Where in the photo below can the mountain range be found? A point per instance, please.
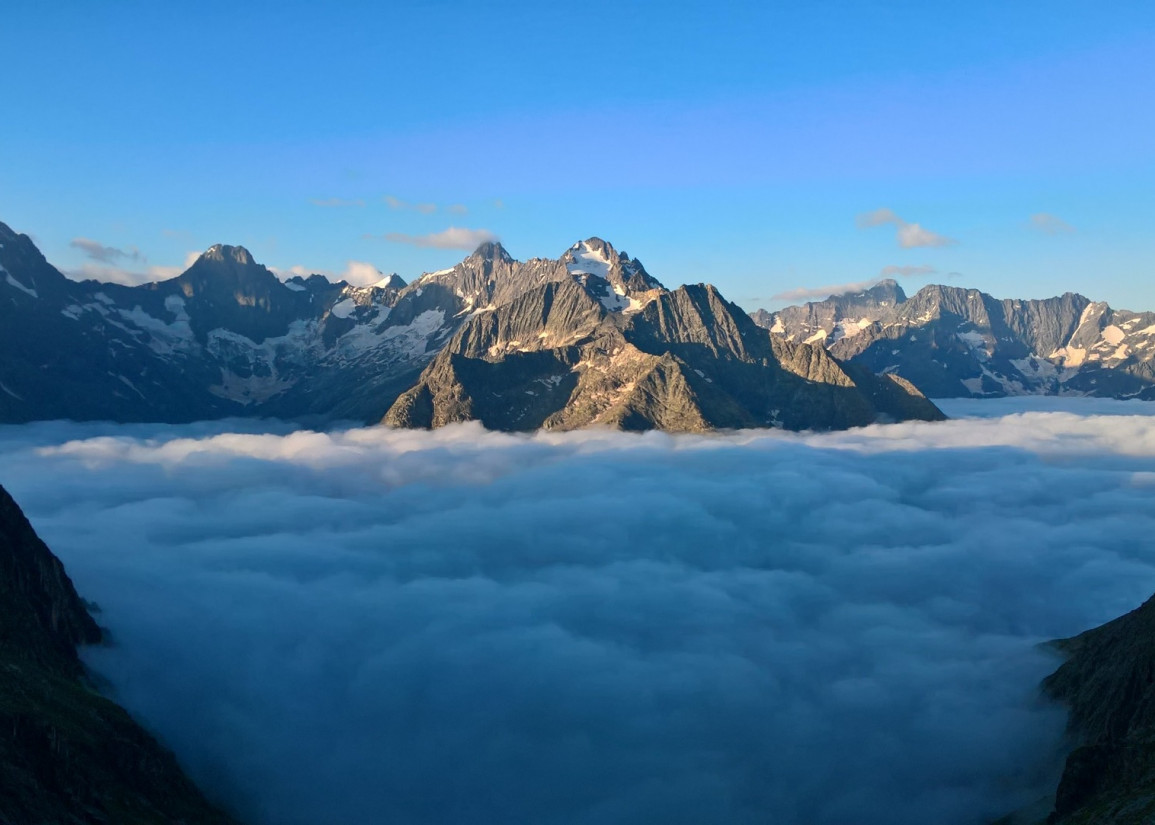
(587, 338)
(953, 342)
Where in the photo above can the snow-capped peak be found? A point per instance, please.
(591, 257)
(393, 281)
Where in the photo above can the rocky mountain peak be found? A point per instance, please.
(492, 251)
(886, 292)
(392, 281)
(592, 256)
(224, 253)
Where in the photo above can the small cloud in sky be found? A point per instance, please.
(457, 209)
(361, 273)
(396, 203)
(109, 274)
(909, 235)
(356, 273)
(336, 202)
(452, 238)
(105, 254)
(806, 293)
(499, 204)
(821, 292)
(907, 271)
(912, 234)
(1050, 224)
(877, 218)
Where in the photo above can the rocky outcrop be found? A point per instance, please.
(954, 342)
(686, 361)
(67, 754)
(1108, 684)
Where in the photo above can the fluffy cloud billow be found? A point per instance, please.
(396, 626)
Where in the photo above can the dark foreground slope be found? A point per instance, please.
(67, 755)
(1109, 685)
(685, 361)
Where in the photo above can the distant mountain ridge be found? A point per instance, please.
(955, 342)
(228, 338)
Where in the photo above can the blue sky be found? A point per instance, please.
(736, 143)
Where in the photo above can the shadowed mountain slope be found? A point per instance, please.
(1108, 683)
(69, 756)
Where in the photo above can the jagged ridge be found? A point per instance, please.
(954, 342)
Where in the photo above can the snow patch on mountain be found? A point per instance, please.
(584, 260)
(25, 289)
(343, 308)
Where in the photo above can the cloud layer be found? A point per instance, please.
(376, 625)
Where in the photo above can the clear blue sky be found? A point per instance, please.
(737, 143)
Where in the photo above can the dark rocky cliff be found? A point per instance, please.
(69, 756)
(1108, 683)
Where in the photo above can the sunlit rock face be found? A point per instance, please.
(685, 360)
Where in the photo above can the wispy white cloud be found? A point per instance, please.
(806, 293)
(457, 209)
(878, 217)
(912, 234)
(908, 234)
(337, 202)
(361, 273)
(97, 251)
(907, 271)
(820, 292)
(1050, 224)
(356, 273)
(396, 203)
(109, 274)
(452, 238)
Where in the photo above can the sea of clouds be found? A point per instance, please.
(371, 625)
